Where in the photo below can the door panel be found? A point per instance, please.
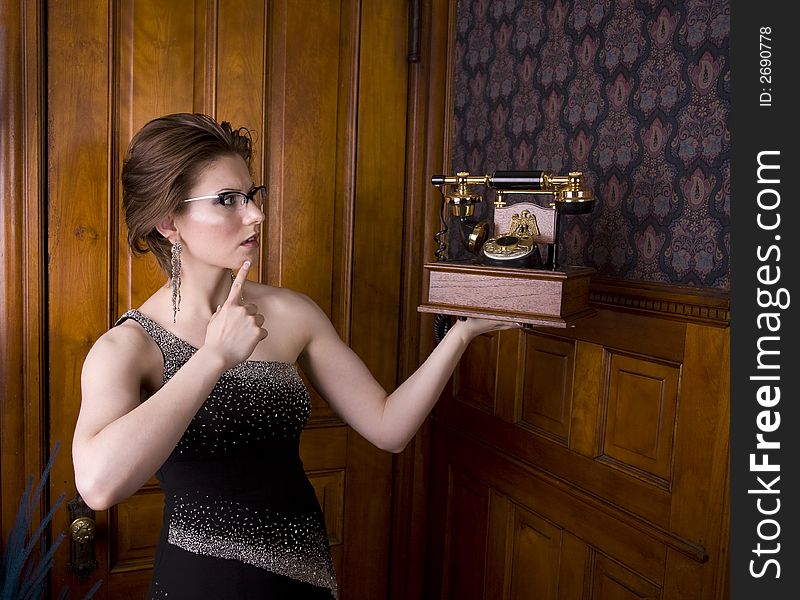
(161, 66)
(302, 161)
(133, 528)
(612, 581)
(467, 518)
(78, 271)
(537, 549)
(300, 75)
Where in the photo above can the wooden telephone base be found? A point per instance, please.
(533, 297)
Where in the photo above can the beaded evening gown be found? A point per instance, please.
(241, 520)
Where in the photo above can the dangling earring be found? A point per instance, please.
(176, 279)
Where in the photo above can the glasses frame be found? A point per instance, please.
(246, 197)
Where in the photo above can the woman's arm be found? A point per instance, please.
(119, 441)
(388, 421)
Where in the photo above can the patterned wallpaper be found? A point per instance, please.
(635, 93)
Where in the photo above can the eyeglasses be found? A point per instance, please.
(233, 198)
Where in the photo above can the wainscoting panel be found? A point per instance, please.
(586, 474)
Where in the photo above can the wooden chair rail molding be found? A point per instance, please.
(686, 303)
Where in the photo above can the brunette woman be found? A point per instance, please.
(200, 386)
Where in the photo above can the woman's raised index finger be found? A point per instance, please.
(235, 294)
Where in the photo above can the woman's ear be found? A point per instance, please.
(167, 228)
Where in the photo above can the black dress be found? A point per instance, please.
(241, 520)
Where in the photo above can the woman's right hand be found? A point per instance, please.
(235, 329)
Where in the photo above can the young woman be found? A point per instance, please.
(200, 384)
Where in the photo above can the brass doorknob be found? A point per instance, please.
(82, 535)
(82, 529)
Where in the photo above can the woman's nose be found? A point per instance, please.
(253, 213)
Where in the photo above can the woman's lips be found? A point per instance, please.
(251, 242)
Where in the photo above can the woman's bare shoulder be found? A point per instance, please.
(285, 300)
(128, 335)
(125, 347)
(292, 319)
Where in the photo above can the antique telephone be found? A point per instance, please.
(503, 274)
(517, 245)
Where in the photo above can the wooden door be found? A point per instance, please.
(322, 86)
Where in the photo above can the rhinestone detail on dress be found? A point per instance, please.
(287, 544)
(250, 424)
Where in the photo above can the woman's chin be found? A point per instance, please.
(240, 260)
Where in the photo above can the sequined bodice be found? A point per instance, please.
(234, 485)
(253, 404)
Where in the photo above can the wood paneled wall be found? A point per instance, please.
(579, 463)
(322, 86)
(22, 261)
(585, 463)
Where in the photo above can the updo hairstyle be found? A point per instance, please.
(163, 161)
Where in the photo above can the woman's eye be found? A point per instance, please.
(227, 199)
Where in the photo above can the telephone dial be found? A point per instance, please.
(515, 247)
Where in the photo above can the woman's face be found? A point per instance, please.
(214, 234)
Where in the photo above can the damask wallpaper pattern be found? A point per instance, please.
(635, 93)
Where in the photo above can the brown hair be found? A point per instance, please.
(162, 162)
